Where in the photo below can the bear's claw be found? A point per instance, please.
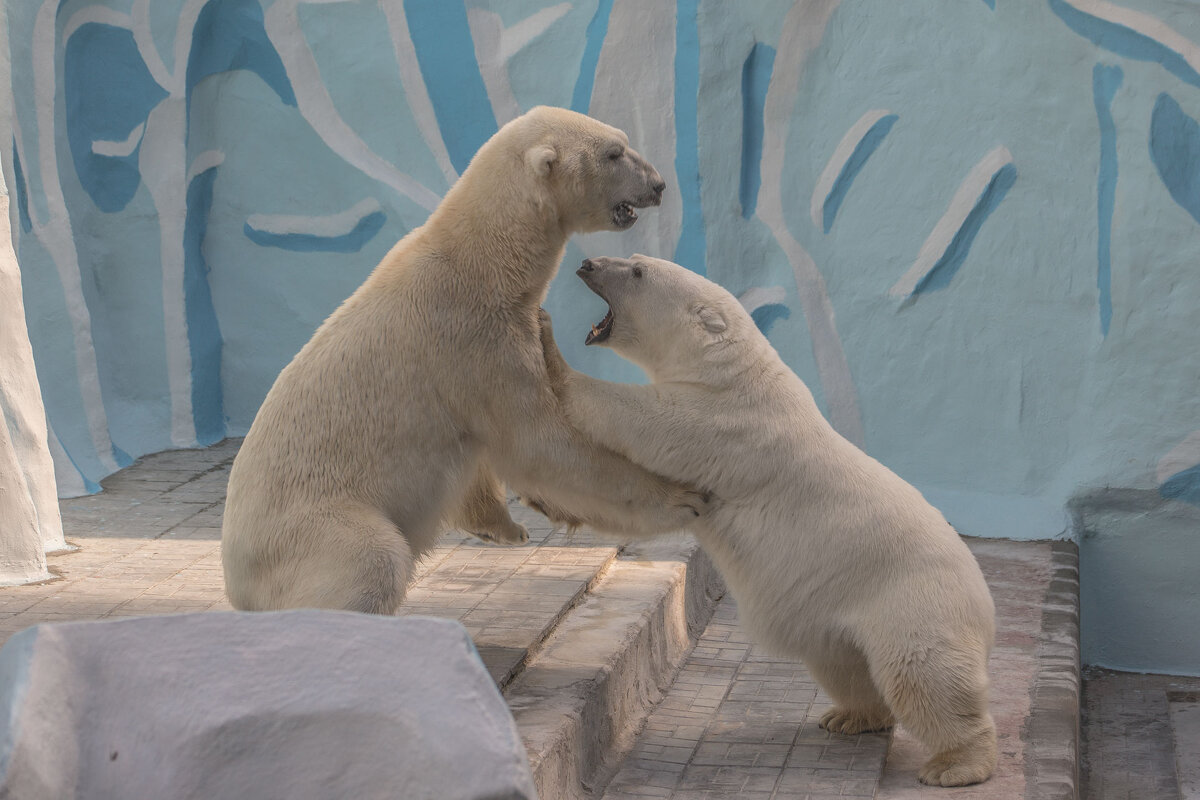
(838, 720)
(517, 534)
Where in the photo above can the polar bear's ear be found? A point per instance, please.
(711, 319)
(540, 159)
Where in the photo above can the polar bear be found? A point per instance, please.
(832, 558)
(427, 387)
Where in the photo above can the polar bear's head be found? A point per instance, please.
(673, 323)
(583, 170)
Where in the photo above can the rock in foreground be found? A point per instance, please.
(296, 704)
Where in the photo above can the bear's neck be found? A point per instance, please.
(508, 243)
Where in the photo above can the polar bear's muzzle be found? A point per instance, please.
(647, 190)
(601, 330)
(623, 215)
(589, 272)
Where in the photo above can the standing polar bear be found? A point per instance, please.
(832, 558)
(427, 387)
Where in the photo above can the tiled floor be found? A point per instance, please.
(738, 723)
(1129, 745)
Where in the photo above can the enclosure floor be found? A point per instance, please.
(1131, 749)
(735, 721)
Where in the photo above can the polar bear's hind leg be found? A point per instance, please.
(940, 694)
(356, 560)
(858, 707)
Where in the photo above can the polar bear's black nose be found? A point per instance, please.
(658, 186)
(587, 266)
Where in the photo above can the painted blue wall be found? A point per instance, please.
(971, 227)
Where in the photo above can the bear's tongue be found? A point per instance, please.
(601, 330)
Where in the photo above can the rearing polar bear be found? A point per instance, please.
(832, 558)
(427, 386)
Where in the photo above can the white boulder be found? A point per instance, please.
(288, 705)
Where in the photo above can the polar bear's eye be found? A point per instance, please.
(637, 272)
(613, 155)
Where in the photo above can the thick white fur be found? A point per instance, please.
(427, 387)
(833, 559)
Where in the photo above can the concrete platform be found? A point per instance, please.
(592, 645)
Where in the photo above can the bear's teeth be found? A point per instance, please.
(595, 331)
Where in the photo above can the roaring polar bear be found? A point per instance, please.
(832, 558)
(427, 387)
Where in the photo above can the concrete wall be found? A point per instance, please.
(970, 225)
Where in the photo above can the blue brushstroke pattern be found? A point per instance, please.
(767, 315)
(122, 458)
(203, 331)
(690, 249)
(229, 35)
(1124, 41)
(22, 192)
(862, 151)
(1183, 486)
(350, 242)
(446, 54)
(108, 92)
(1105, 82)
(597, 29)
(990, 4)
(1175, 151)
(89, 485)
(756, 76)
(940, 275)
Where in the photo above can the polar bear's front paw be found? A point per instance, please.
(503, 533)
(839, 720)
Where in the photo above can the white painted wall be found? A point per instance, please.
(30, 525)
(29, 520)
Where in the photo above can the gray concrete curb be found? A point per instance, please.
(582, 698)
(1052, 732)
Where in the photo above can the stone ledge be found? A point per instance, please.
(1052, 733)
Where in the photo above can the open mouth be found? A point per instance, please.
(601, 330)
(623, 215)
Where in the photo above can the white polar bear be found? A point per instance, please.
(832, 558)
(427, 386)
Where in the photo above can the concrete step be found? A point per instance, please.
(741, 723)
(579, 703)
